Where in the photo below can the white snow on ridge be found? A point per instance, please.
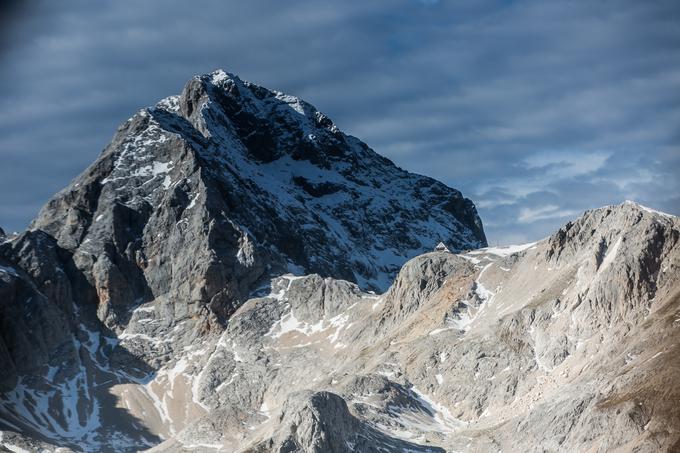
(8, 270)
(170, 103)
(503, 251)
(650, 210)
(440, 330)
(289, 323)
(192, 203)
(11, 447)
(219, 76)
(292, 101)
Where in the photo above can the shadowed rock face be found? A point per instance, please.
(203, 286)
(58, 362)
(36, 302)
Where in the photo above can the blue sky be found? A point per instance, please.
(536, 110)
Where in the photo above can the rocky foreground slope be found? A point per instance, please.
(569, 344)
(187, 294)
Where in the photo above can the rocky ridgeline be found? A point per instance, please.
(229, 276)
(202, 197)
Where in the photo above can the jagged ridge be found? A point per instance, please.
(231, 182)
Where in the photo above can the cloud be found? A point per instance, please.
(531, 215)
(522, 105)
(566, 164)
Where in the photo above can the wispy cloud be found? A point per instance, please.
(566, 164)
(531, 215)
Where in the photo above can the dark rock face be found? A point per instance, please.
(35, 306)
(200, 197)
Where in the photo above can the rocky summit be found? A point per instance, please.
(235, 274)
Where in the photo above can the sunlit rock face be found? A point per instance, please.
(235, 274)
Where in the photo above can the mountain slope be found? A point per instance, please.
(229, 183)
(193, 208)
(206, 285)
(570, 341)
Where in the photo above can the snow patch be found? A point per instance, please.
(503, 251)
(650, 210)
(442, 416)
(192, 203)
(610, 255)
(8, 270)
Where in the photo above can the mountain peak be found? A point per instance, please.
(638, 206)
(255, 95)
(269, 124)
(230, 181)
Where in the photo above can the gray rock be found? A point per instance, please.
(206, 285)
(316, 422)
